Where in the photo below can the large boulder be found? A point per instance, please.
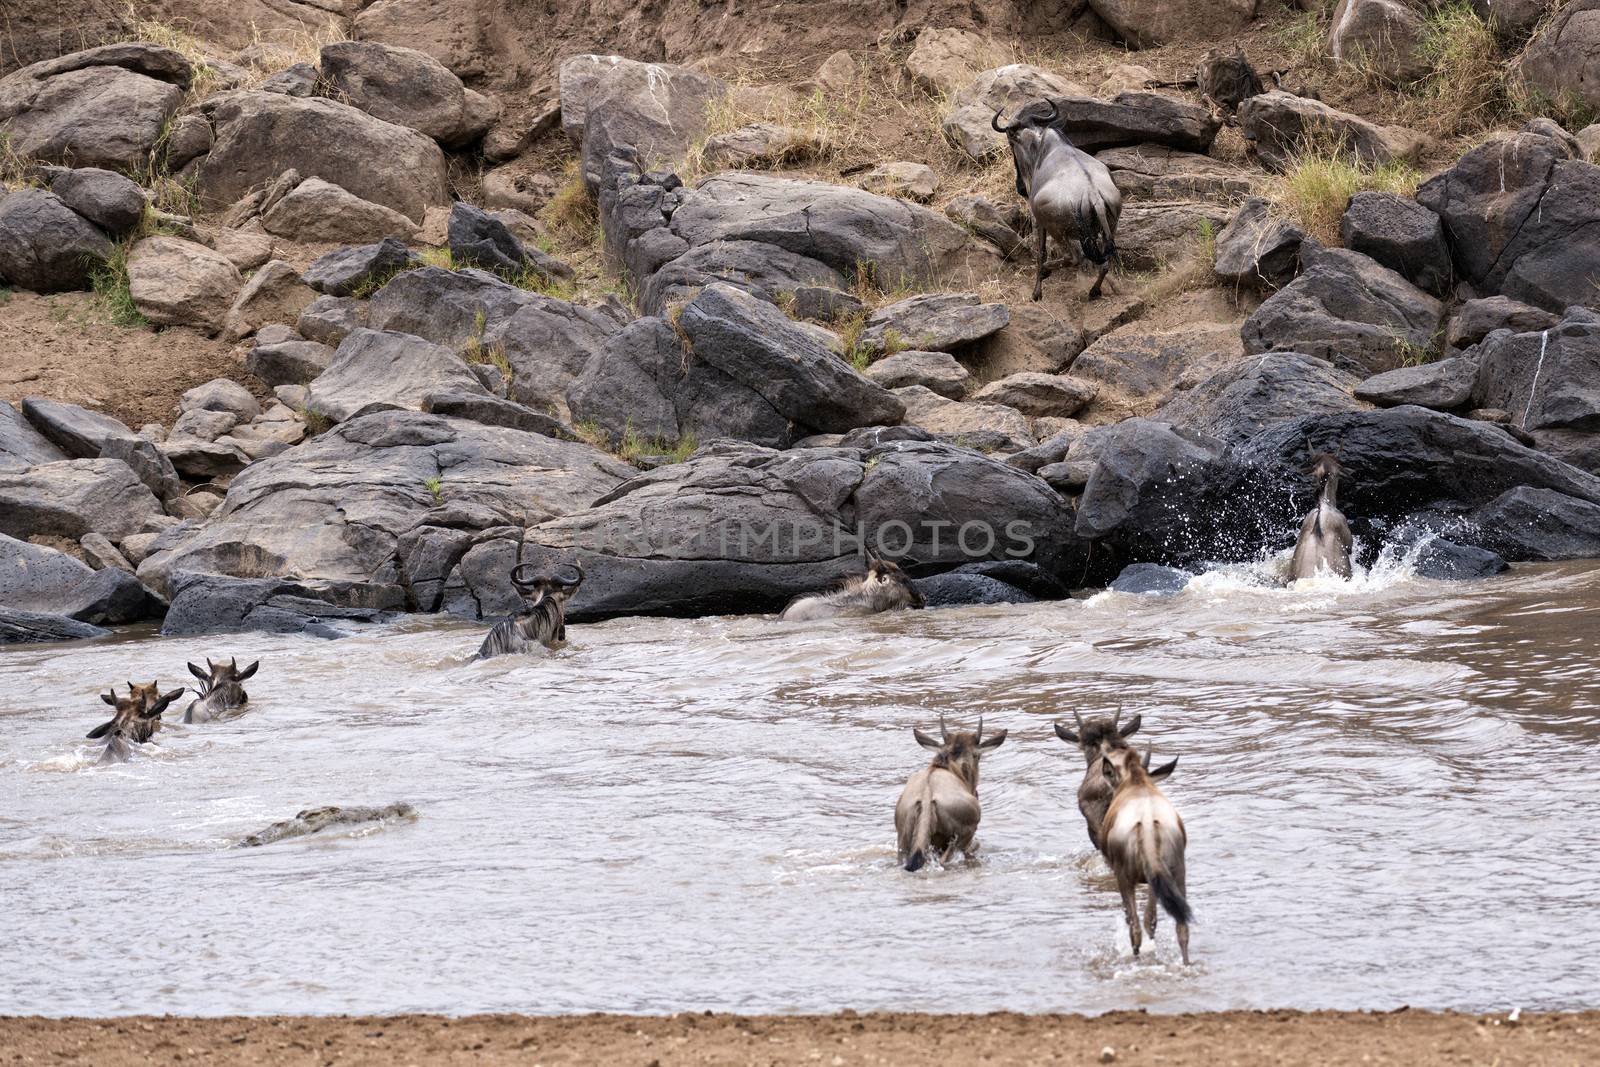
(30, 627)
(1240, 400)
(71, 498)
(1548, 380)
(175, 282)
(754, 343)
(1157, 172)
(979, 425)
(1278, 125)
(107, 199)
(22, 446)
(759, 268)
(1539, 524)
(1136, 118)
(40, 579)
(1349, 310)
(356, 269)
(1136, 369)
(654, 110)
(373, 368)
(1520, 217)
(479, 239)
(967, 122)
(1402, 235)
(1443, 385)
(1473, 320)
(104, 107)
(945, 60)
(1258, 249)
(83, 434)
(219, 604)
(1038, 394)
(45, 245)
(840, 227)
(1562, 61)
(273, 294)
(337, 508)
(1382, 36)
(1147, 23)
(319, 211)
(261, 135)
(938, 371)
(408, 88)
(740, 528)
(577, 84)
(446, 307)
(547, 343)
(1157, 236)
(934, 322)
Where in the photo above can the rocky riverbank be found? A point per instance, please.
(656, 318)
(1410, 1037)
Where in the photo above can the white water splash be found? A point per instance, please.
(1538, 369)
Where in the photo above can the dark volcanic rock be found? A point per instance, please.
(39, 579)
(85, 434)
(105, 198)
(959, 589)
(1151, 579)
(480, 239)
(45, 245)
(1240, 400)
(215, 604)
(1476, 319)
(72, 498)
(1443, 385)
(1402, 235)
(387, 369)
(21, 445)
(1539, 524)
(1548, 380)
(31, 627)
(1135, 118)
(351, 269)
(1258, 250)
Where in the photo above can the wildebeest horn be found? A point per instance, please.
(516, 575)
(1148, 751)
(995, 122)
(944, 735)
(572, 581)
(979, 741)
(1055, 112)
(1077, 718)
(1116, 720)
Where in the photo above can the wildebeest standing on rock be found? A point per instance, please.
(1144, 843)
(134, 720)
(219, 691)
(884, 587)
(1069, 192)
(543, 620)
(938, 810)
(1324, 543)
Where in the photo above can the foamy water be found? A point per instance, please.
(1386, 782)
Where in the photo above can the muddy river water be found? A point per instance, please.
(1389, 786)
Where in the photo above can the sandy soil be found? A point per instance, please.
(1403, 1037)
(63, 347)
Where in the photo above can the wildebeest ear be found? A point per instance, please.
(110, 698)
(204, 676)
(1067, 735)
(993, 741)
(101, 730)
(1109, 770)
(161, 705)
(925, 741)
(1165, 769)
(248, 671)
(1132, 727)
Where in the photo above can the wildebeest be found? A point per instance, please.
(219, 691)
(134, 720)
(884, 587)
(1096, 738)
(1325, 540)
(543, 619)
(938, 810)
(1069, 192)
(1144, 843)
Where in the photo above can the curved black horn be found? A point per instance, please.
(980, 731)
(577, 569)
(1077, 718)
(995, 122)
(944, 735)
(516, 578)
(1055, 112)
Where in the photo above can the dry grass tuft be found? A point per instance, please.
(1315, 191)
(1468, 88)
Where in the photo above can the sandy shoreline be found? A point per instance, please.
(1283, 1037)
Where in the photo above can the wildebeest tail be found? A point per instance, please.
(1159, 874)
(921, 834)
(1096, 238)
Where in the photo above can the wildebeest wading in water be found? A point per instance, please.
(135, 719)
(219, 691)
(543, 619)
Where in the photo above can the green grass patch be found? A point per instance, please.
(109, 281)
(435, 486)
(1317, 188)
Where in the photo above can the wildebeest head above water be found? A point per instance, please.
(220, 689)
(543, 619)
(134, 720)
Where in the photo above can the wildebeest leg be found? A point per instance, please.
(1094, 292)
(1130, 908)
(1043, 271)
(1183, 928)
(1150, 912)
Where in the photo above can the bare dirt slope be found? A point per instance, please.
(1416, 1039)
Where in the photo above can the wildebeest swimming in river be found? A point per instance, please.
(1325, 539)
(938, 810)
(134, 720)
(219, 691)
(884, 587)
(543, 619)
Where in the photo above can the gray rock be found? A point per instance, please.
(204, 424)
(105, 198)
(298, 80)
(1039, 394)
(1258, 250)
(654, 110)
(1539, 524)
(760, 269)
(1512, 18)
(994, 224)
(39, 579)
(360, 268)
(83, 434)
(912, 181)
(201, 460)
(288, 362)
(329, 319)
(1136, 118)
(71, 498)
(1007, 88)
(1277, 124)
(1447, 561)
(1443, 385)
(1245, 397)
(934, 322)
(757, 144)
(273, 294)
(1384, 36)
(1051, 450)
(221, 394)
(1474, 320)
(260, 135)
(21, 446)
(496, 411)
(1519, 218)
(1156, 172)
(1158, 236)
(480, 239)
(1565, 360)
(103, 107)
(375, 368)
(32, 627)
(1402, 235)
(938, 371)
(1137, 369)
(101, 553)
(1147, 23)
(409, 88)
(1560, 61)
(317, 211)
(754, 343)
(1349, 310)
(959, 589)
(547, 343)
(45, 245)
(174, 282)
(218, 604)
(446, 307)
(1151, 579)
(824, 303)
(980, 426)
